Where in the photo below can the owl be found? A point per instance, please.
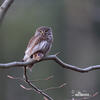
(39, 45)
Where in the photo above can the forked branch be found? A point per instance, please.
(34, 87)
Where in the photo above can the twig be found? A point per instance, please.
(4, 7)
(50, 57)
(48, 78)
(37, 80)
(45, 98)
(34, 87)
(52, 88)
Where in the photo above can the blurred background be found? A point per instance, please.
(76, 30)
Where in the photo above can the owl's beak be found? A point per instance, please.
(42, 32)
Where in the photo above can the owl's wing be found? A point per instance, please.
(30, 41)
(35, 44)
(43, 46)
(33, 41)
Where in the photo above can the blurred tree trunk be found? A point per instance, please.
(80, 41)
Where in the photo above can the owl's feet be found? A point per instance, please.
(38, 56)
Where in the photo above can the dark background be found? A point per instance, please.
(76, 30)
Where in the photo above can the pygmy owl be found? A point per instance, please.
(39, 45)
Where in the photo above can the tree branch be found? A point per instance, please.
(34, 87)
(50, 57)
(4, 7)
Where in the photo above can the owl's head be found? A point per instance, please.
(43, 30)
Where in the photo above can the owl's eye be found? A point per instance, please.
(46, 30)
(41, 31)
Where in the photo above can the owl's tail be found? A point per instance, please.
(29, 67)
(36, 56)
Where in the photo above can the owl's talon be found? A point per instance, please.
(31, 56)
(38, 56)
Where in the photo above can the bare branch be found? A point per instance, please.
(4, 7)
(33, 87)
(37, 80)
(36, 89)
(50, 57)
(52, 88)
(45, 98)
(25, 87)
